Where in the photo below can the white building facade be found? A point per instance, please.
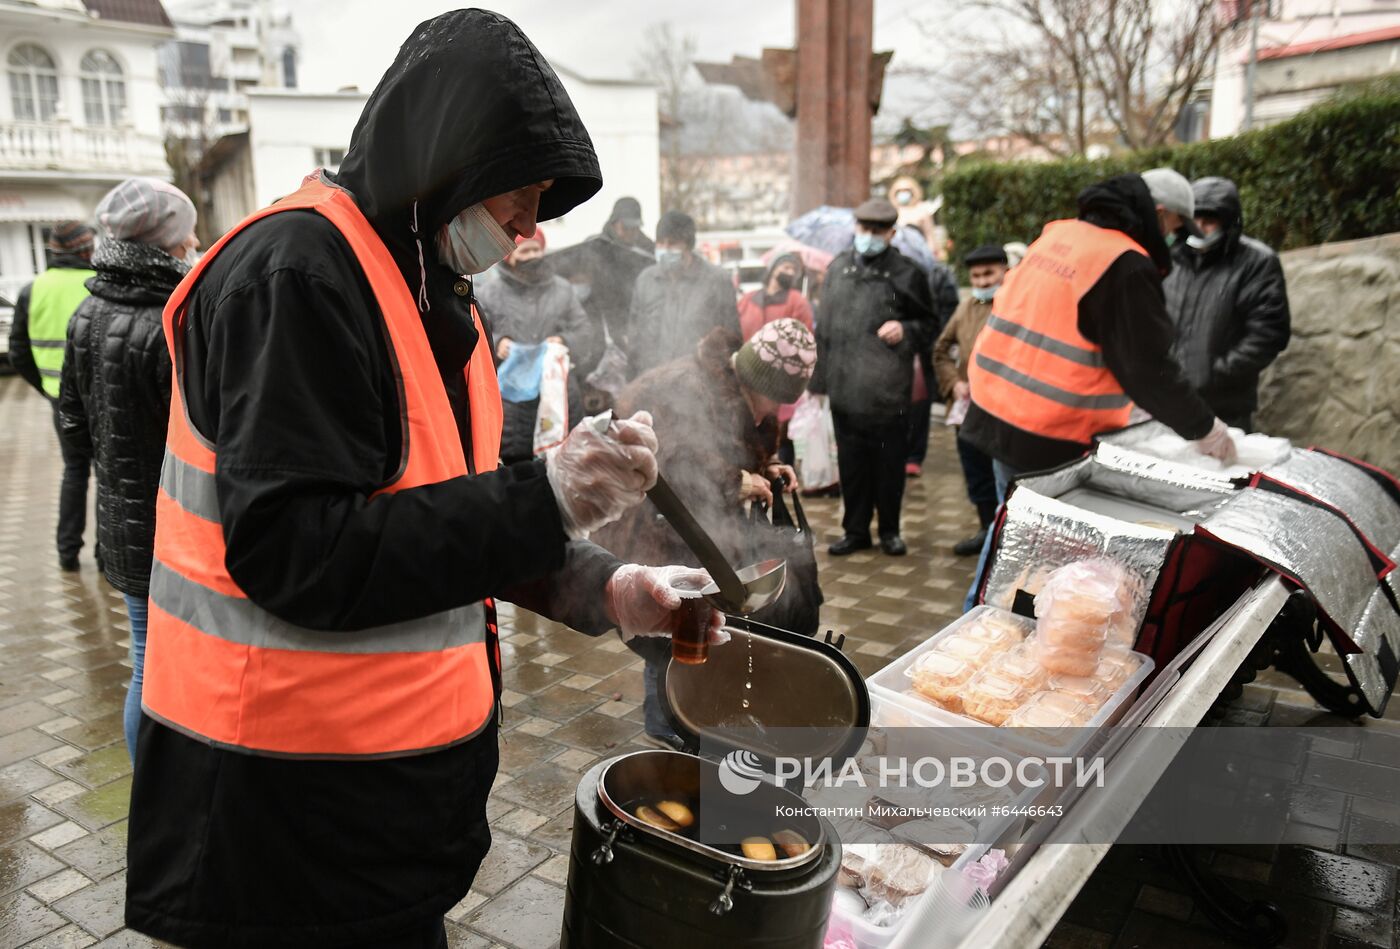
(290, 133)
(80, 112)
(223, 49)
(1305, 51)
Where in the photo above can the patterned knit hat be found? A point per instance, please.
(147, 211)
(778, 360)
(71, 237)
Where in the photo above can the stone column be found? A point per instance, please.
(834, 44)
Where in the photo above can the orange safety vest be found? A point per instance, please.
(1030, 366)
(220, 668)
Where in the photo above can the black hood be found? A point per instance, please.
(469, 109)
(1123, 203)
(1219, 198)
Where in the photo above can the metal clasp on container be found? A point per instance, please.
(604, 854)
(725, 901)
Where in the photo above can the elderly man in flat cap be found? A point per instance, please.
(875, 314)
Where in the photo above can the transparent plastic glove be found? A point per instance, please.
(644, 603)
(1218, 444)
(596, 478)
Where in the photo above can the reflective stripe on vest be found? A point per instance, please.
(1030, 366)
(227, 672)
(54, 297)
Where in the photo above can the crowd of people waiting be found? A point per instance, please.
(642, 325)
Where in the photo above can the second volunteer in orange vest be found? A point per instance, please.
(1079, 334)
(323, 674)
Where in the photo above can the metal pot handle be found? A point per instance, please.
(725, 901)
(604, 854)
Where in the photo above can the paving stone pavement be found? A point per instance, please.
(570, 701)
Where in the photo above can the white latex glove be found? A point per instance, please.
(753, 487)
(1218, 444)
(596, 478)
(643, 602)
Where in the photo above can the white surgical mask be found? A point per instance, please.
(983, 294)
(1205, 242)
(472, 241)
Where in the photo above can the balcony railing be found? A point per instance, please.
(65, 147)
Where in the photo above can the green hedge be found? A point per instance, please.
(1329, 174)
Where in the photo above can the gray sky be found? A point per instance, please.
(353, 41)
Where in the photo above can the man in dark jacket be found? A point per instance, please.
(527, 305)
(1226, 295)
(115, 400)
(678, 300)
(286, 371)
(875, 315)
(37, 335)
(604, 270)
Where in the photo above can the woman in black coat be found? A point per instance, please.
(115, 395)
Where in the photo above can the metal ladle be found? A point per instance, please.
(735, 592)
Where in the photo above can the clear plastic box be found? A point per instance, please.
(894, 684)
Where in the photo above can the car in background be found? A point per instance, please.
(7, 315)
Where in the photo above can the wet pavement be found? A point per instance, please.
(570, 701)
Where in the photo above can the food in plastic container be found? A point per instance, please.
(940, 677)
(1033, 715)
(1116, 666)
(1062, 661)
(1021, 665)
(896, 872)
(974, 651)
(1072, 634)
(990, 697)
(1086, 689)
(1061, 704)
(999, 632)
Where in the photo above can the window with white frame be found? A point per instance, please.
(330, 158)
(104, 89)
(33, 84)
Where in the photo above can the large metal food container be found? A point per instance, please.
(634, 886)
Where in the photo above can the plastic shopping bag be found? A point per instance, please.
(521, 371)
(814, 443)
(552, 418)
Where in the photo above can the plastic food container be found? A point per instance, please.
(940, 677)
(894, 686)
(991, 696)
(1086, 689)
(1116, 666)
(1060, 660)
(897, 680)
(975, 651)
(1021, 665)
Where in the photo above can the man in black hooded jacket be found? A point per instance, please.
(285, 368)
(1227, 296)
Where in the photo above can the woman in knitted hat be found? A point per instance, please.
(115, 397)
(716, 421)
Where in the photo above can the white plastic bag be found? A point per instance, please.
(552, 419)
(813, 437)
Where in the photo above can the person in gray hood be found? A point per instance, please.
(1226, 294)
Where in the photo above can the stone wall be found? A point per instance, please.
(1338, 383)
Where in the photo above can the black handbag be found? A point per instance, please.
(788, 537)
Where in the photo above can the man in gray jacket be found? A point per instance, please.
(678, 300)
(1227, 296)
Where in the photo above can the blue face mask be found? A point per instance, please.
(868, 245)
(667, 257)
(983, 294)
